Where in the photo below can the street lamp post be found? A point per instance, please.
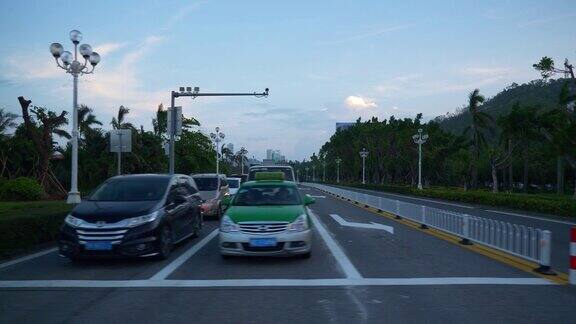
(243, 153)
(307, 178)
(323, 171)
(338, 160)
(217, 138)
(420, 139)
(70, 64)
(313, 173)
(363, 154)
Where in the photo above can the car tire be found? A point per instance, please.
(164, 243)
(197, 227)
(225, 256)
(306, 255)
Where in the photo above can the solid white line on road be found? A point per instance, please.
(372, 225)
(167, 270)
(28, 257)
(273, 282)
(345, 263)
(317, 196)
(533, 217)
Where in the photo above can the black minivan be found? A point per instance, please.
(133, 216)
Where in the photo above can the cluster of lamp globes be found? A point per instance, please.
(69, 59)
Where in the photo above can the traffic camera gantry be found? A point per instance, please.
(188, 92)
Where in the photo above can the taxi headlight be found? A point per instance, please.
(300, 224)
(136, 221)
(227, 225)
(73, 221)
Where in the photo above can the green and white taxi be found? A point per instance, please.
(267, 216)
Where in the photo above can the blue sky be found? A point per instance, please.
(324, 61)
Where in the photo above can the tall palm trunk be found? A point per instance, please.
(525, 173)
(475, 163)
(560, 175)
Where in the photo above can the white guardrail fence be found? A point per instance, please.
(525, 242)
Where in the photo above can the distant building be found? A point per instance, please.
(275, 155)
(344, 125)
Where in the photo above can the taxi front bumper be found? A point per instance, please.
(287, 243)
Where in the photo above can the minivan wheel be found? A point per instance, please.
(165, 243)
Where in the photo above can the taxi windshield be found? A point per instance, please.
(267, 196)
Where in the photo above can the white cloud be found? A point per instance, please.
(359, 103)
(108, 48)
(369, 34)
(487, 71)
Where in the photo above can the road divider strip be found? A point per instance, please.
(249, 283)
(487, 251)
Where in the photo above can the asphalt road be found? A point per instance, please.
(560, 227)
(356, 274)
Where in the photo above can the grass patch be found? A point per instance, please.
(29, 223)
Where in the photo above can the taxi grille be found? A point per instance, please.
(263, 228)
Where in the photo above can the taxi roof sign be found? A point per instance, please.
(269, 176)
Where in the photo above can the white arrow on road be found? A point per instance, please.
(371, 225)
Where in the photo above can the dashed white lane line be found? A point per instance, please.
(172, 266)
(533, 217)
(345, 264)
(274, 282)
(28, 257)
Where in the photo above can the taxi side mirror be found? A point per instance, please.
(309, 200)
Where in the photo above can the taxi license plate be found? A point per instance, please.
(99, 246)
(262, 242)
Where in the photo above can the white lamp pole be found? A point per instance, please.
(338, 160)
(323, 171)
(217, 138)
(307, 178)
(243, 153)
(69, 63)
(363, 154)
(420, 139)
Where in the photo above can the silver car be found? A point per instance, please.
(213, 188)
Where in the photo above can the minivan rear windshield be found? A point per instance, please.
(131, 189)
(206, 183)
(287, 172)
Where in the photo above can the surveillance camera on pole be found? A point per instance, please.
(194, 93)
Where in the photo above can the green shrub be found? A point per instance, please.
(26, 224)
(21, 189)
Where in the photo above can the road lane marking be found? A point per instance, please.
(371, 225)
(167, 270)
(487, 251)
(28, 257)
(428, 200)
(345, 263)
(533, 217)
(317, 196)
(274, 282)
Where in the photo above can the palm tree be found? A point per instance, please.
(520, 128)
(480, 122)
(86, 120)
(118, 122)
(6, 120)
